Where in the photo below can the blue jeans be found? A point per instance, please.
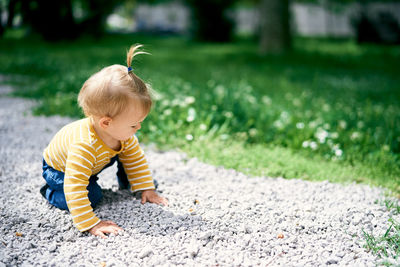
(55, 181)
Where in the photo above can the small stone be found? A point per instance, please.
(280, 236)
(146, 251)
(248, 230)
(18, 234)
(332, 261)
(52, 248)
(205, 236)
(340, 254)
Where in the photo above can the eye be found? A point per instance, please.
(134, 126)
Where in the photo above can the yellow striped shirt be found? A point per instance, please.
(79, 153)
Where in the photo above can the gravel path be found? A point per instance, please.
(216, 217)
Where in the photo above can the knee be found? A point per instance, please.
(56, 198)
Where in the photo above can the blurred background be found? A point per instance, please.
(297, 89)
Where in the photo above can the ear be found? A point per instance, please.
(105, 122)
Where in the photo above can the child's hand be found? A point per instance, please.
(152, 197)
(105, 227)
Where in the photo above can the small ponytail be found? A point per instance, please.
(138, 84)
(132, 52)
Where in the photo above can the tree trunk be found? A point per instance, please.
(11, 13)
(1, 21)
(275, 35)
(210, 21)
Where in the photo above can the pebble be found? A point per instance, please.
(146, 251)
(52, 248)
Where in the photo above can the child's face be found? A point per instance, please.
(126, 124)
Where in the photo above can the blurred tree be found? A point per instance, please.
(1, 18)
(210, 21)
(55, 20)
(275, 35)
(6, 7)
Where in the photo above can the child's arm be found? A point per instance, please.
(136, 167)
(137, 170)
(78, 170)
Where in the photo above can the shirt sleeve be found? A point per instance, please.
(78, 169)
(135, 166)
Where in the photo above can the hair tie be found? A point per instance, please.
(130, 69)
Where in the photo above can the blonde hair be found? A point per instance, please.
(110, 91)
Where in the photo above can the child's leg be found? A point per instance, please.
(121, 176)
(95, 193)
(54, 188)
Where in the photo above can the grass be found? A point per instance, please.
(387, 246)
(329, 110)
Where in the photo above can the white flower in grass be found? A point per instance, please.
(342, 124)
(203, 127)
(220, 90)
(321, 135)
(313, 145)
(336, 147)
(175, 102)
(266, 100)
(300, 125)
(278, 124)
(165, 102)
(191, 115)
(253, 132)
(189, 137)
(296, 102)
(190, 100)
(334, 135)
(251, 99)
(338, 152)
(355, 135)
(313, 124)
(284, 115)
(224, 136)
(305, 144)
(167, 112)
(228, 114)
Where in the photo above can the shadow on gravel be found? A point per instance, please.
(148, 219)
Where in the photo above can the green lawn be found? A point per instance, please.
(330, 110)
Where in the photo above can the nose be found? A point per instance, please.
(139, 126)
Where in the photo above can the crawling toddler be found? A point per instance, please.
(115, 102)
